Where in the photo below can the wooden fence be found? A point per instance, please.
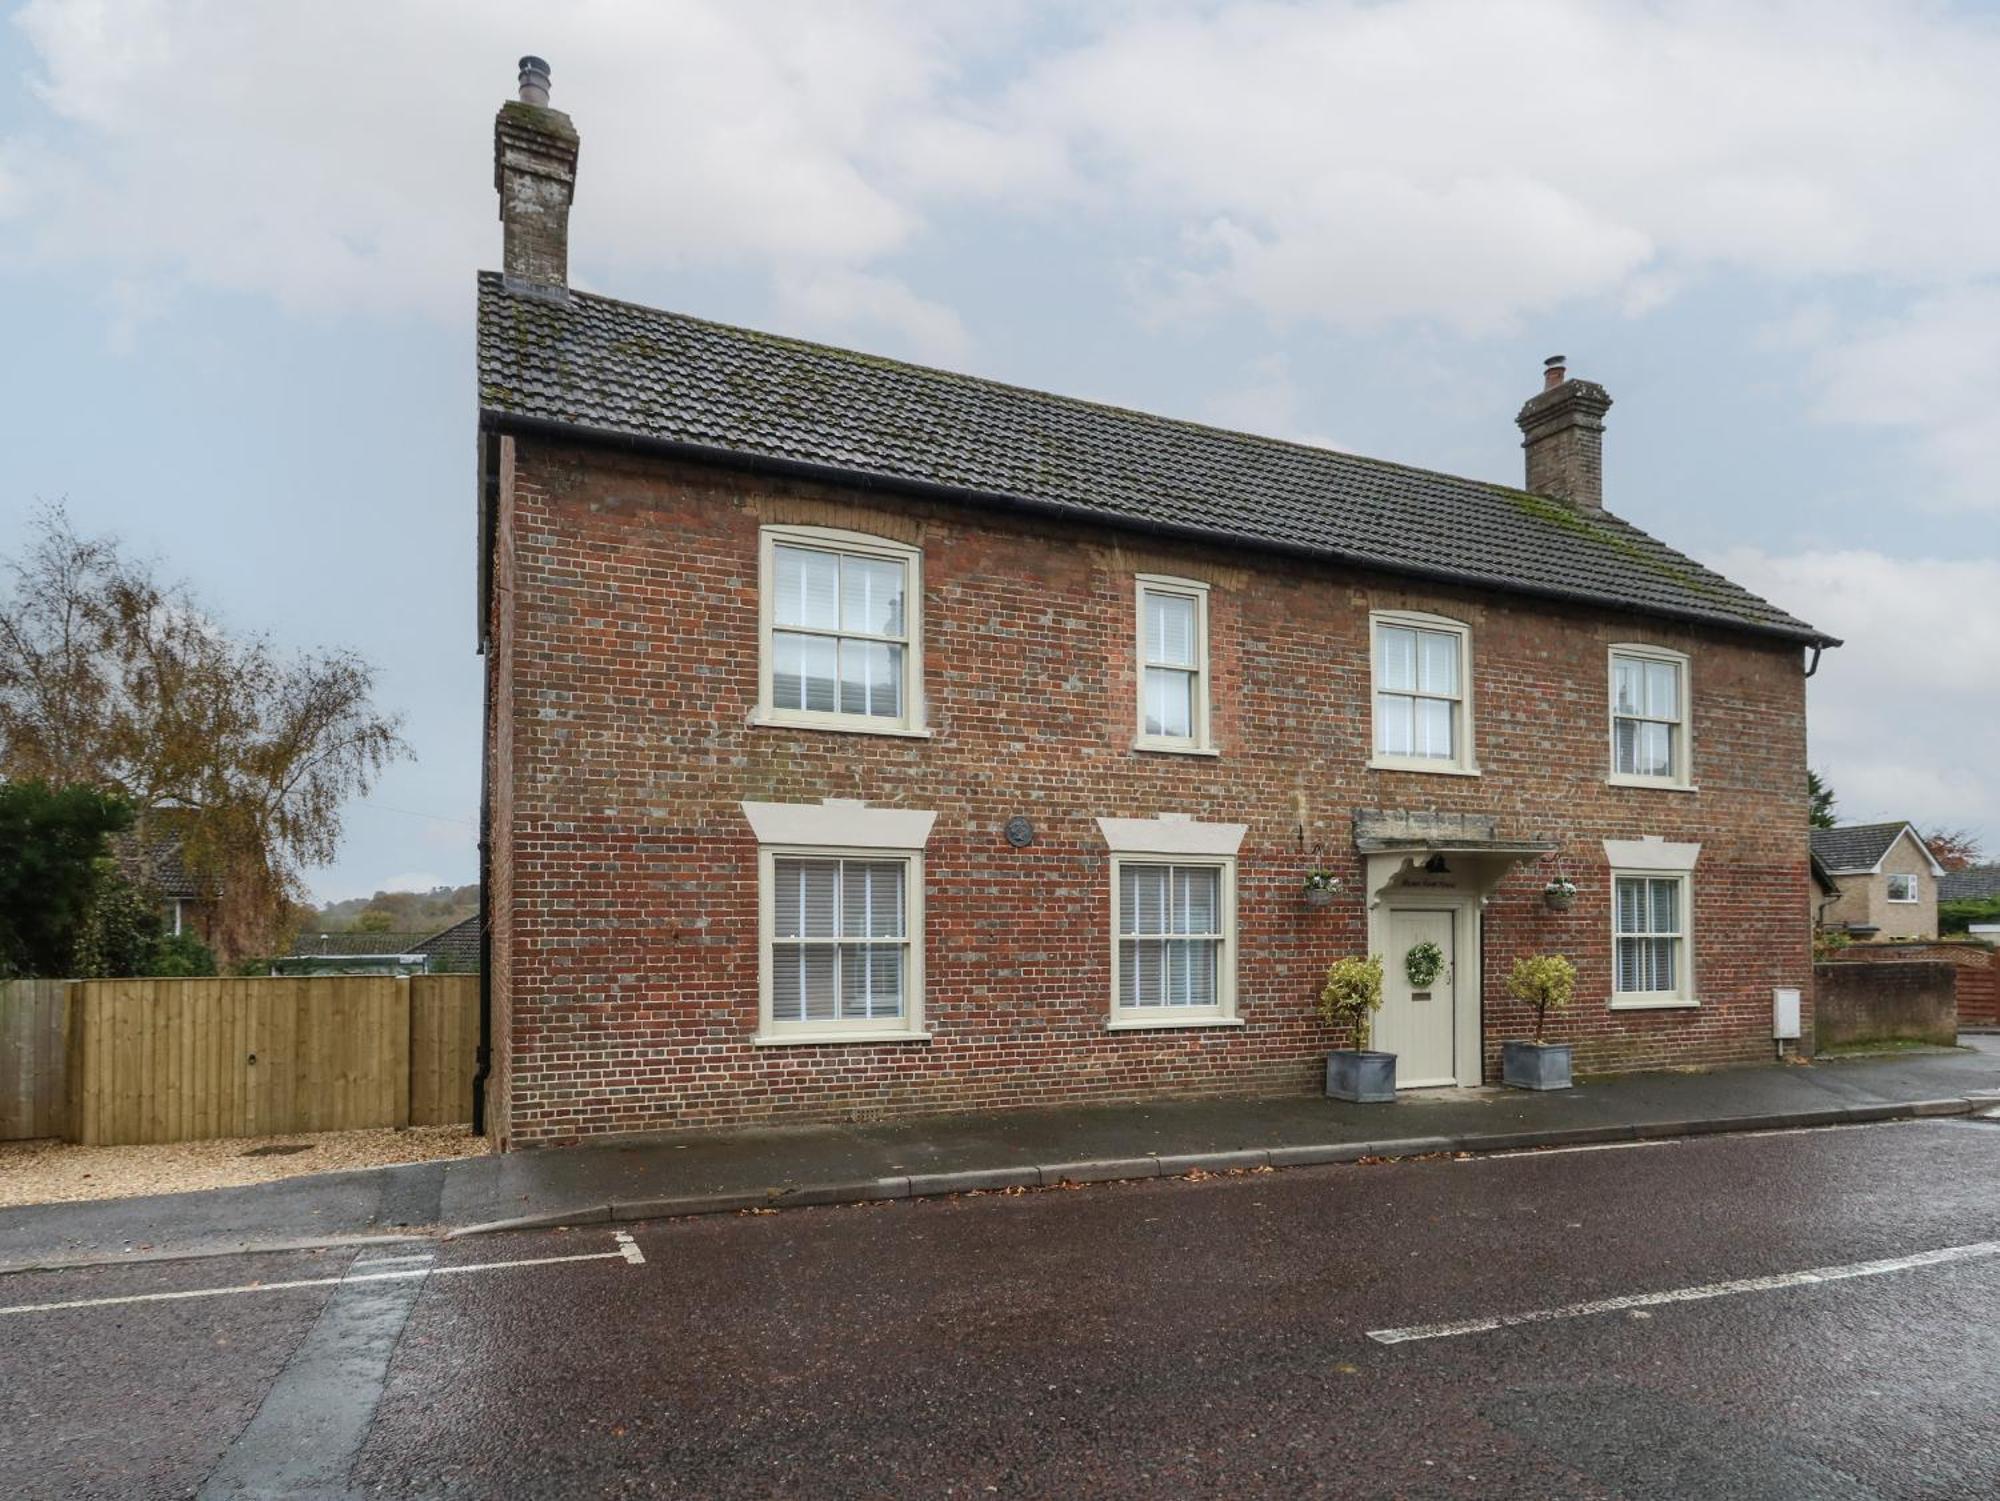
(34, 1032)
(183, 1060)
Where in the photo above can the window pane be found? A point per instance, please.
(1170, 621)
(1628, 965)
(1437, 662)
(803, 898)
(1143, 973)
(1434, 727)
(802, 672)
(871, 680)
(1661, 970)
(1666, 906)
(1170, 703)
(1654, 748)
(1142, 898)
(871, 982)
(1395, 733)
(808, 588)
(1625, 735)
(871, 596)
(1197, 900)
(1627, 680)
(1191, 972)
(802, 982)
(1631, 905)
(871, 898)
(1663, 690)
(1395, 658)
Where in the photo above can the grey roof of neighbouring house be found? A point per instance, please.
(1971, 884)
(1857, 846)
(628, 373)
(356, 945)
(457, 944)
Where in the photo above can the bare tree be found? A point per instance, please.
(111, 679)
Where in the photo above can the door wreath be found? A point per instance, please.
(1423, 964)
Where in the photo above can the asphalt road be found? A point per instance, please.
(1318, 1331)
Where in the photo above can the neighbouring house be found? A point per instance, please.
(454, 950)
(865, 738)
(355, 954)
(1976, 883)
(1888, 880)
(158, 866)
(1825, 891)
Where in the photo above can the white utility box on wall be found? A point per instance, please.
(1785, 1015)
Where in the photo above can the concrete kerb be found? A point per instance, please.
(1123, 1169)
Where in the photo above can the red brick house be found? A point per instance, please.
(865, 738)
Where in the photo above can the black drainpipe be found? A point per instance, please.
(483, 1059)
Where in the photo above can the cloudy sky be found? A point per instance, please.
(237, 245)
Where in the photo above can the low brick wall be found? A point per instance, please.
(1911, 1000)
(1976, 966)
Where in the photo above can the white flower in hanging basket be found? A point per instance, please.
(1559, 894)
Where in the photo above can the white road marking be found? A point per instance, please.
(627, 1252)
(1976, 1251)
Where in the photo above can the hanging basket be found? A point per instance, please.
(1319, 896)
(1559, 895)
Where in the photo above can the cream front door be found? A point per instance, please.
(1419, 1024)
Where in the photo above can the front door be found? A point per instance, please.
(1418, 1023)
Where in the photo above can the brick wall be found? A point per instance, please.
(1907, 1000)
(627, 873)
(1976, 967)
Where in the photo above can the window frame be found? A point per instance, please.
(1159, 1018)
(913, 721)
(1682, 997)
(1889, 879)
(1683, 741)
(909, 1027)
(1201, 742)
(1463, 763)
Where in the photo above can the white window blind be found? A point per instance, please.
(839, 939)
(1650, 934)
(838, 632)
(1171, 655)
(1646, 707)
(1170, 936)
(1419, 693)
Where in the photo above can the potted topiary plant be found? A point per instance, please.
(1546, 982)
(1352, 996)
(1322, 885)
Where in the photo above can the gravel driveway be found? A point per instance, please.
(48, 1172)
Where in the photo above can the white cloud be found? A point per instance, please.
(413, 880)
(1267, 400)
(1906, 714)
(1932, 372)
(831, 304)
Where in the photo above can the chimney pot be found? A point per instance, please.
(534, 81)
(1562, 430)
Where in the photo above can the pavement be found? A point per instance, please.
(1801, 1313)
(635, 1179)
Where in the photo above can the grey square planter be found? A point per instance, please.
(1535, 1065)
(1367, 1078)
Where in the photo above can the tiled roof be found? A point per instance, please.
(618, 370)
(1855, 846)
(353, 945)
(457, 945)
(157, 865)
(1973, 883)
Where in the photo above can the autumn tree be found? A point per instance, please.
(114, 680)
(1954, 849)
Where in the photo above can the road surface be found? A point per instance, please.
(1806, 1314)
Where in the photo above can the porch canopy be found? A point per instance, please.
(1416, 851)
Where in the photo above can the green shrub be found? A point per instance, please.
(1353, 995)
(1545, 981)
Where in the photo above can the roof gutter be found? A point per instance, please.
(728, 458)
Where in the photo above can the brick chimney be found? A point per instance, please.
(1562, 428)
(534, 170)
